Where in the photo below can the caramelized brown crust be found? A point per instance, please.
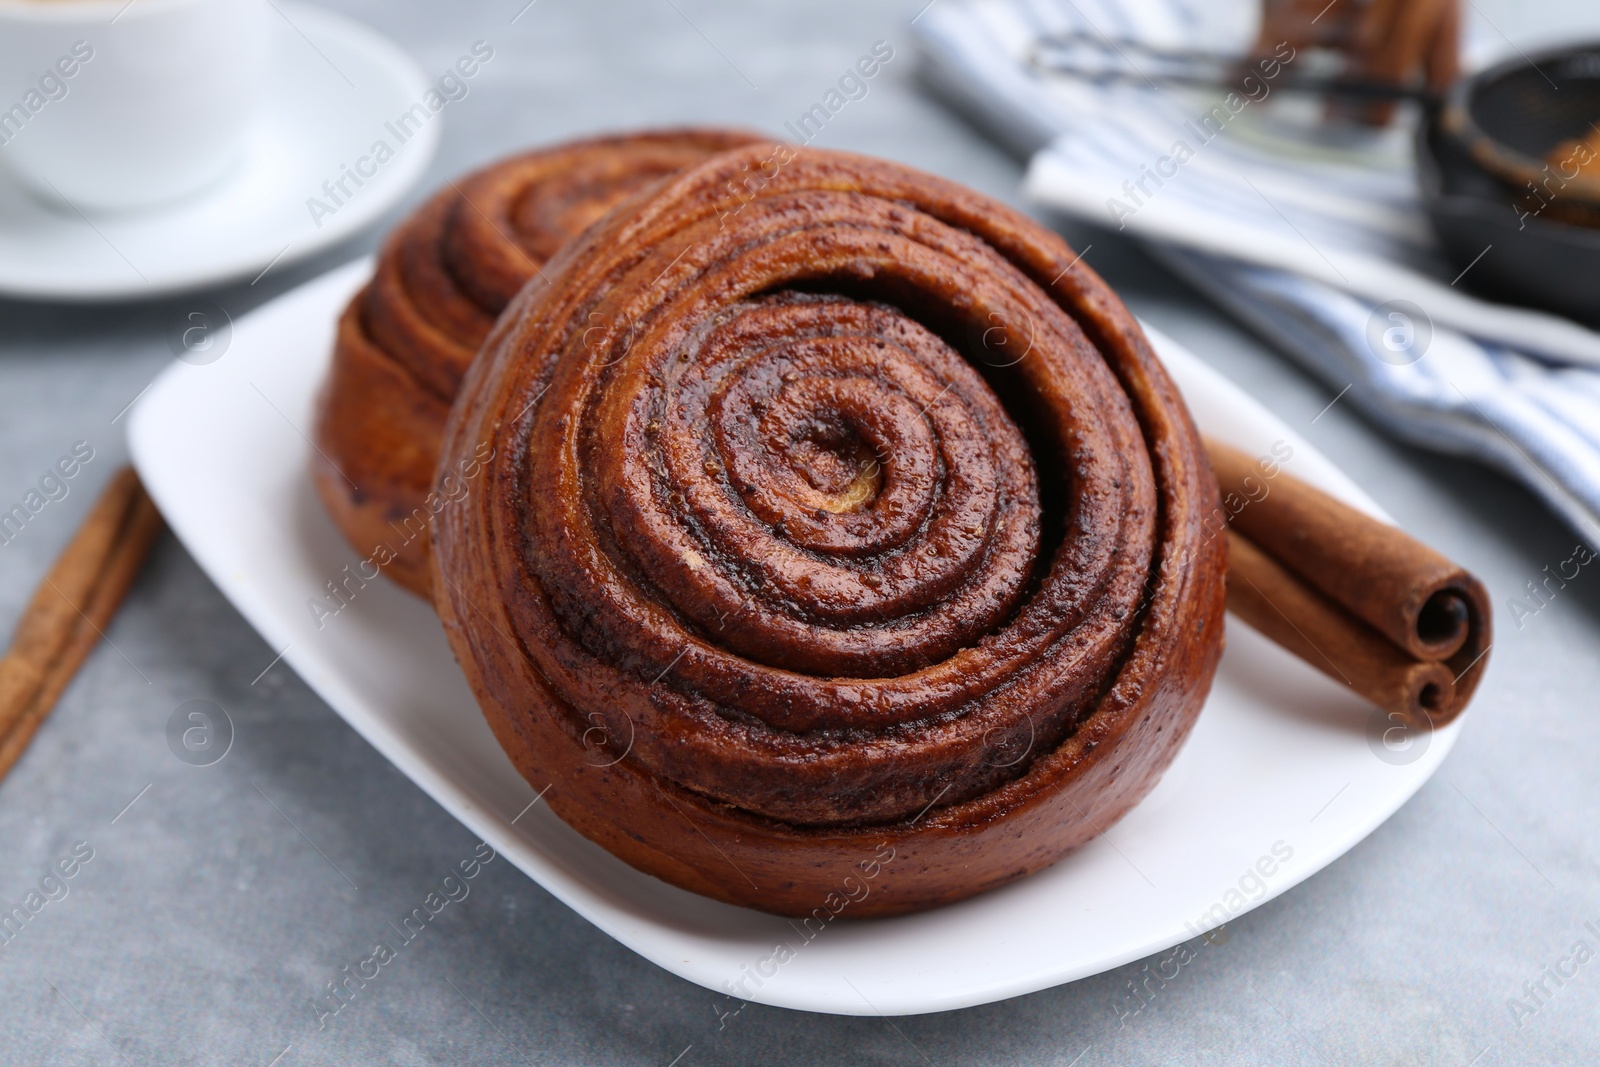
(837, 512)
(442, 278)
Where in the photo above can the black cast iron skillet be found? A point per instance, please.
(1478, 151)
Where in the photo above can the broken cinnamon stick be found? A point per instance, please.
(71, 608)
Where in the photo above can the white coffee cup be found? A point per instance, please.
(111, 105)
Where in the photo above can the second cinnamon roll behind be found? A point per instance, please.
(443, 276)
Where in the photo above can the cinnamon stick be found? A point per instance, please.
(71, 608)
(1429, 608)
(1270, 599)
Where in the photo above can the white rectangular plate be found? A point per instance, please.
(1282, 761)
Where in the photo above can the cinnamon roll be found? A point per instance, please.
(843, 544)
(443, 276)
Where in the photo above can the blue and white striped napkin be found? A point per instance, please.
(1314, 237)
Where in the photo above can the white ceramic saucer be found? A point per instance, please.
(334, 86)
(1284, 772)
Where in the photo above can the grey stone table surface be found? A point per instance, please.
(218, 904)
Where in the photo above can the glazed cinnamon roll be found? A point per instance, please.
(843, 545)
(405, 340)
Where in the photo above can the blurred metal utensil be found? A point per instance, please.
(1096, 58)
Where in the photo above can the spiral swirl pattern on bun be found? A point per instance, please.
(835, 508)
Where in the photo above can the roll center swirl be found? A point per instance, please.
(817, 463)
(839, 465)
